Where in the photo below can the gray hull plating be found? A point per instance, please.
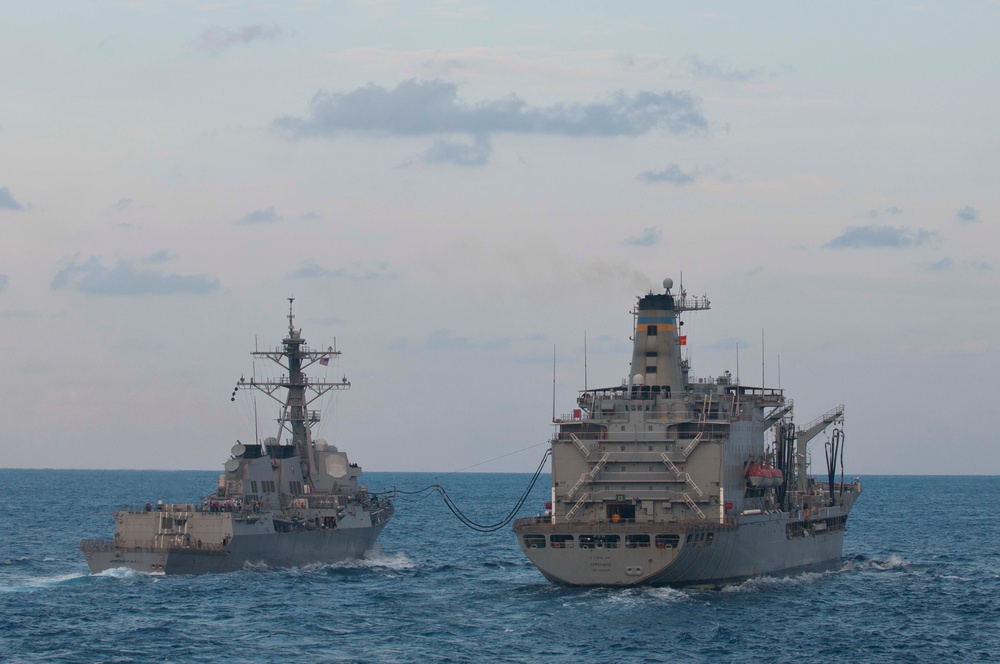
(272, 550)
(705, 554)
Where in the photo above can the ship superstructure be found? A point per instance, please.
(669, 479)
(278, 503)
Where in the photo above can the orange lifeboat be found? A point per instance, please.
(758, 476)
(763, 476)
(776, 476)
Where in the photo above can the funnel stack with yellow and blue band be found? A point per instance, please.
(656, 356)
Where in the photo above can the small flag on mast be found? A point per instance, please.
(325, 360)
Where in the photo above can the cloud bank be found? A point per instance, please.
(877, 236)
(949, 264)
(672, 174)
(647, 238)
(7, 200)
(92, 278)
(216, 39)
(448, 152)
(968, 215)
(266, 215)
(892, 211)
(710, 69)
(369, 271)
(161, 256)
(417, 107)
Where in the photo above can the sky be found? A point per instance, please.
(458, 194)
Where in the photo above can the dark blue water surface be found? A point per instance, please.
(920, 582)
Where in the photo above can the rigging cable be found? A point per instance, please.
(466, 520)
(489, 528)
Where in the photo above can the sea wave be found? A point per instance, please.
(759, 583)
(860, 563)
(374, 559)
(124, 573)
(28, 584)
(666, 595)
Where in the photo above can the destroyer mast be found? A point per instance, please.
(295, 416)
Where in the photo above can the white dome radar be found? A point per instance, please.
(668, 283)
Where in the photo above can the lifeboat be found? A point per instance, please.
(776, 477)
(758, 476)
(762, 476)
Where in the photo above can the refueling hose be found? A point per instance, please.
(479, 527)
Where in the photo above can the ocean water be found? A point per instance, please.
(920, 582)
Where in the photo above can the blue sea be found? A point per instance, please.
(920, 582)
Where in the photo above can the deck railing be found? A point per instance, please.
(543, 524)
(150, 545)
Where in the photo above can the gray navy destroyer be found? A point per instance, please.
(670, 479)
(280, 504)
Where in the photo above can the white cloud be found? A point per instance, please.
(7, 200)
(358, 271)
(266, 215)
(217, 39)
(672, 174)
(968, 215)
(647, 238)
(877, 236)
(416, 107)
(445, 151)
(90, 277)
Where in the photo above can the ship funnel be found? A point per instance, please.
(656, 356)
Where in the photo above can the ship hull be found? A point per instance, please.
(704, 554)
(295, 549)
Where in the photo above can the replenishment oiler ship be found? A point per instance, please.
(279, 504)
(672, 480)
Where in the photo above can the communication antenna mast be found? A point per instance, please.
(553, 382)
